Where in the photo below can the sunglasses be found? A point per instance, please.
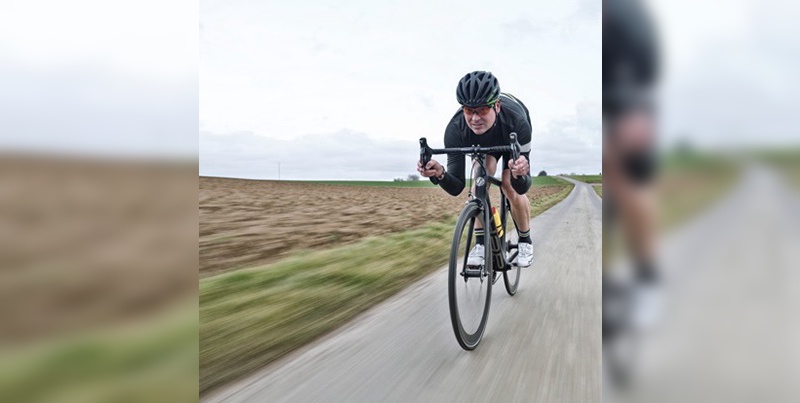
(481, 110)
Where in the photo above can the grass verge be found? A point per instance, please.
(251, 317)
(587, 178)
(150, 361)
(787, 161)
(422, 183)
(598, 190)
(687, 185)
(691, 183)
(547, 180)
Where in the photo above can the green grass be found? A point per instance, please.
(252, 317)
(694, 161)
(598, 190)
(422, 183)
(152, 361)
(698, 180)
(787, 161)
(687, 184)
(547, 180)
(587, 178)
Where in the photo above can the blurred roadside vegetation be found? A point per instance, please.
(786, 160)
(587, 178)
(252, 317)
(691, 181)
(98, 277)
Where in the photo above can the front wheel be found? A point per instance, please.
(469, 287)
(510, 276)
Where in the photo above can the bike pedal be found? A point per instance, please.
(512, 257)
(472, 271)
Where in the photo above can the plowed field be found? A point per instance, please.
(245, 223)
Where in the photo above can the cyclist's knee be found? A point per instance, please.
(518, 199)
(491, 164)
(510, 193)
(640, 167)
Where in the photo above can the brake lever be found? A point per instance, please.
(514, 146)
(425, 152)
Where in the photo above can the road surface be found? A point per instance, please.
(730, 325)
(542, 345)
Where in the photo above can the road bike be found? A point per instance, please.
(470, 287)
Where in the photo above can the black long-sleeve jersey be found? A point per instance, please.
(630, 55)
(513, 117)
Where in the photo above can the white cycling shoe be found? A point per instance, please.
(525, 254)
(648, 305)
(476, 256)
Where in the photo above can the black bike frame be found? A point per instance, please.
(481, 179)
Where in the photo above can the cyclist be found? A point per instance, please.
(630, 73)
(486, 118)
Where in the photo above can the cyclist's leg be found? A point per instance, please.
(609, 224)
(491, 168)
(629, 170)
(476, 255)
(520, 206)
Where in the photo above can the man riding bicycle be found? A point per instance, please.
(486, 119)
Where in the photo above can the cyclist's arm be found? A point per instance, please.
(453, 181)
(522, 183)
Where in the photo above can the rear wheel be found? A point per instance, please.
(510, 276)
(469, 287)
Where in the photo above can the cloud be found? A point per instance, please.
(571, 143)
(427, 101)
(320, 47)
(591, 9)
(733, 95)
(91, 108)
(344, 154)
(561, 23)
(523, 26)
(386, 89)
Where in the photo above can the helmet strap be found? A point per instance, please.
(496, 113)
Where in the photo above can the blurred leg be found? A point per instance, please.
(629, 168)
(520, 205)
(491, 168)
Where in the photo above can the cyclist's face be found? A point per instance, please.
(482, 118)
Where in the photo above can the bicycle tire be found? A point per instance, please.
(510, 276)
(460, 288)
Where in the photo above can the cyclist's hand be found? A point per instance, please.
(432, 168)
(519, 166)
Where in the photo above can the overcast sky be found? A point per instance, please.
(344, 90)
(98, 77)
(729, 72)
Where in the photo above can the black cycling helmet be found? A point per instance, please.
(478, 88)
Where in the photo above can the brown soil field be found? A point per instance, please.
(87, 243)
(246, 223)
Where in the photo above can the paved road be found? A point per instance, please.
(731, 326)
(542, 345)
